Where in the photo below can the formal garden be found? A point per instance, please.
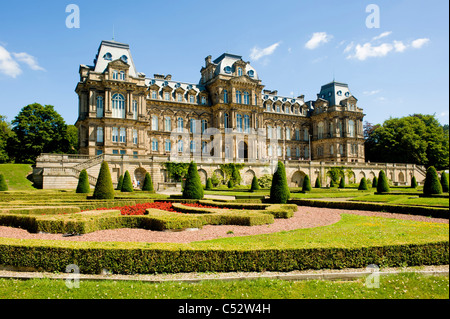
(262, 227)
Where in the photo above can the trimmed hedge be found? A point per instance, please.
(382, 183)
(47, 210)
(444, 182)
(378, 207)
(104, 187)
(3, 185)
(148, 183)
(279, 191)
(255, 185)
(193, 188)
(127, 185)
(163, 258)
(83, 183)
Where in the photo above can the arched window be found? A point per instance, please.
(204, 126)
(246, 123)
(226, 120)
(180, 124)
(168, 146)
(246, 98)
(288, 133)
(154, 123)
(351, 128)
(135, 110)
(239, 122)
(279, 132)
(238, 97)
(193, 126)
(269, 131)
(320, 130)
(154, 145)
(225, 96)
(167, 124)
(118, 106)
(239, 71)
(99, 106)
(180, 145)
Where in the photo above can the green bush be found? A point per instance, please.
(413, 182)
(342, 183)
(83, 183)
(193, 188)
(209, 185)
(317, 183)
(3, 185)
(230, 184)
(265, 181)
(382, 183)
(444, 182)
(104, 187)
(363, 185)
(332, 183)
(306, 187)
(279, 191)
(374, 182)
(432, 185)
(120, 183)
(255, 185)
(127, 186)
(148, 183)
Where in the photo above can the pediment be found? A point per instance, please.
(119, 64)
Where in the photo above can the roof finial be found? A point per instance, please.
(113, 38)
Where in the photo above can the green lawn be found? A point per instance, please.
(401, 286)
(16, 176)
(404, 200)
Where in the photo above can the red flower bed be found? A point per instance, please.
(139, 209)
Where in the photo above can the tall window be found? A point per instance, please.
(270, 150)
(305, 134)
(287, 109)
(115, 75)
(180, 145)
(204, 147)
(192, 126)
(246, 98)
(297, 152)
(122, 75)
(135, 110)
(238, 97)
(331, 149)
(278, 108)
(192, 98)
(268, 107)
(341, 149)
(297, 134)
(307, 152)
(239, 71)
(351, 128)
(99, 134)
(99, 106)
(225, 96)
(279, 153)
(246, 123)
(341, 131)
(288, 151)
(154, 145)
(279, 132)
(135, 137)
(204, 126)
(167, 96)
(123, 135)
(115, 134)
(269, 131)
(239, 122)
(167, 124)
(118, 106)
(154, 94)
(288, 133)
(180, 97)
(203, 100)
(320, 130)
(225, 120)
(168, 146)
(180, 124)
(192, 146)
(154, 123)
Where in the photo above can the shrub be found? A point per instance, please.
(279, 192)
(255, 185)
(215, 180)
(374, 182)
(363, 185)
(120, 183)
(265, 181)
(127, 186)
(342, 183)
(332, 183)
(104, 187)
(382, 183)
(148, 183)
(306, 187)
(432, 184)
(444, 182)
(413, 182)
(193, 188)
(3, 185)
(230, 184)
(83, 183)
(209, 184)
(317, 184)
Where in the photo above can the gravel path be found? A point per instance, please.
(304, 217)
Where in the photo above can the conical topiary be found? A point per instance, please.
(413, 182)
(342, 183)
(193, 188)
(332, 183)
(120, 183)
(317, 183)
(255, 185)
(363, 185)
(3, 185)
(83, 183)
(374, 182)
(104, 187)
(209, 184)
(148, 183)
(432, 185)
(382, 183)
(127, 186)
(279, 191)
(444, 182)
(306, 187)
(230, 184)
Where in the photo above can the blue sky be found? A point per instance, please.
(397, 69)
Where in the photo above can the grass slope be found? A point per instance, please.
(16, 176)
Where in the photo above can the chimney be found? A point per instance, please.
(168, 77)
(208, 60)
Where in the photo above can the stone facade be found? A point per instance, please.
(137, 123)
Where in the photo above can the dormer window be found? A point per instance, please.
(239, 71)
(124, 58)
(204, 100)
(347, 94)
(251, 73)
(227, 70)
(107, 56)
(339, 93)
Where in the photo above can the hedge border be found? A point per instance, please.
(435, 212)
(176, 260)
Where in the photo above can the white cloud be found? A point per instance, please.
(383, 35)
(30, 60)
(317, 39)
(7, 64)
(371, 92)
(366, 50)
(258, 53)
(399, 46)
(349, 47)
(418, 43)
